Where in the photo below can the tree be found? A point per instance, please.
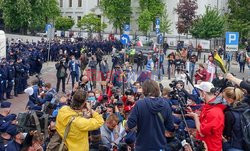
(145, 21)
(150, 10)
(64, 23)
(155, 7)
(21, 15)
(43, 11)
(209, 25)
(91, 23)
(186, 12)
(117, 11)
(165, 23)
(238, 17)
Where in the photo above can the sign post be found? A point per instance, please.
(50, 35)
(232, 41)
(159, 42)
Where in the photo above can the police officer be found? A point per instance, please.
(18, 79)
(11, 77)
(4, 75)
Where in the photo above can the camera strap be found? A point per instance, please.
(67, 129)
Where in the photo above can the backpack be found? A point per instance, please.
(245, 125)
(56, 142)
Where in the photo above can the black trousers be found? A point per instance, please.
(59, 82)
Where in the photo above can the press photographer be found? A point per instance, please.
(61, 74)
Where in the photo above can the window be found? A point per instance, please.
(79, 3)
(61, 3)
(69, 16)
(70, 3)
(79, 18)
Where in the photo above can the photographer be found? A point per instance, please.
(243, 84)
(61, 74)
(78, 135)
(210, 122)
(152, 116)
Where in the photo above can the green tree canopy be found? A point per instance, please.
(91, 23)
(238, 17)
(117, 11)
(209, 25)
(155, 7)
(145, 21)
(64, 23)
(165, 23)
(20, 15)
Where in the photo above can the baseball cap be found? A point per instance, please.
(205, 86)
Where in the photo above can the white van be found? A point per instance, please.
(2, 44)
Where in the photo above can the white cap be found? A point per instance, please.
(29, 91)
(205, 86)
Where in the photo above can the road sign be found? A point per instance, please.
(48, 26)
(232, 41)
(124, 39)
(126, 27)
(160, 39)
(157, 30)
(157, 21)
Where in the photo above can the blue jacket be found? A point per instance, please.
(150, 129)
(74, 68)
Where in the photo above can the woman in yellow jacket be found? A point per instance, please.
(77, 139)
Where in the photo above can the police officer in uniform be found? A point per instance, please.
(19, 72)
(4, 74)
(11, 77)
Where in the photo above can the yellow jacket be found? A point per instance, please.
(77, 139)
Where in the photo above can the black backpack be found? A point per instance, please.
(245, 125)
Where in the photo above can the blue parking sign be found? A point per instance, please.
(232, 41)
(232, 38)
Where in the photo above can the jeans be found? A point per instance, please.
(74, 77)
(242, 66)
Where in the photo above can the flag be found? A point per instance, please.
(219, 62)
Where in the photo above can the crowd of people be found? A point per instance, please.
(123, 110)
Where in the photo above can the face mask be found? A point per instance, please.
(91, 99)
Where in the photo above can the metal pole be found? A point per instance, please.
(159, 68)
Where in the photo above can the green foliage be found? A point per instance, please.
(64, 23)
(117, 11)
(144, 21)
(150, 10)
(209, 25)
(91, 23)
(155, 7)
(165, 23)
(16, 14)
(29, 14)
(238, 17)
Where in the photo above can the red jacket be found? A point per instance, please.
(212, 125)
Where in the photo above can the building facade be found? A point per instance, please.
(76, 9)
